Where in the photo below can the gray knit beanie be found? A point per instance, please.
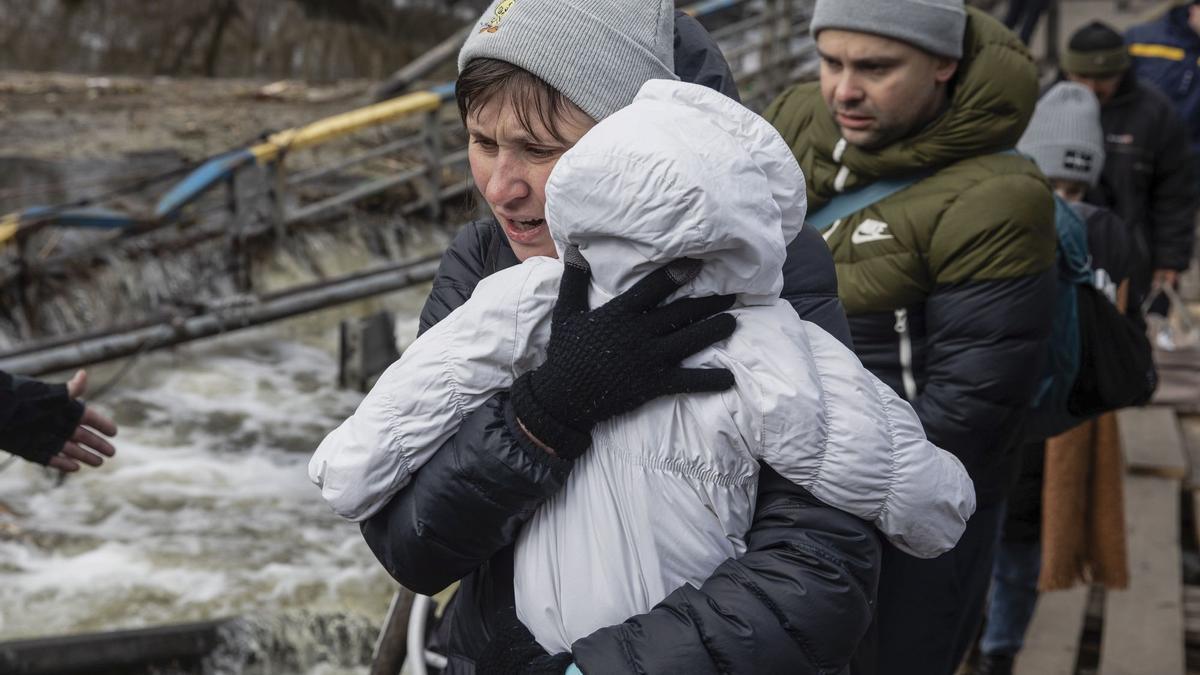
(937, 26)
(597, 53)
(1064, 138)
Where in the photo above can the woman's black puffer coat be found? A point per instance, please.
(798, 601)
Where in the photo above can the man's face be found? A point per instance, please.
(880, 90)
(1194, 18)
(511, 165)
(1103, 87)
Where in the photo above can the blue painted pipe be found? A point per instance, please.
(97, 218)
(445, 90)
(199, 181)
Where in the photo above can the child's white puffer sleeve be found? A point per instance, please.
(867, 453)
(420, 400)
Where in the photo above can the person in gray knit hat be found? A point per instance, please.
(1065, 140)
(944, 245)
(630, 43)
(535, 76)
(916, 43)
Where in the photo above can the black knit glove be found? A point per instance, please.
(611, 360)
(514, 651)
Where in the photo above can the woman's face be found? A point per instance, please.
(511, 165)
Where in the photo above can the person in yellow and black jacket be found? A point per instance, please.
(947, 283)
(1166, 54)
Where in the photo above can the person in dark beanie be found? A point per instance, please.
(1148, 176)
(1066, 141)
(48, 424)
(1166, 54)
(948, 282)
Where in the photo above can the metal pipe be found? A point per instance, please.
(352, 195)
(315, 297)
(400, 80)
(380, 151)
(416, 635)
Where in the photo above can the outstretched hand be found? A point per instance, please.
(611, 360)
(88, 444)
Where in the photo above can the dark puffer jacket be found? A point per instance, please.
(1166, 54)
(948, 283)
(1148, 180)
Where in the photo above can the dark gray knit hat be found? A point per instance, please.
(1064, 137)
(937, 26)
(1096, 50)
(597, 53)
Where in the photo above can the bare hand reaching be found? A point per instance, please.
(88, 444)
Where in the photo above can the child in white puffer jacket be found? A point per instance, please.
(666, 493)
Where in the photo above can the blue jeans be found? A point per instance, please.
(1012, 597)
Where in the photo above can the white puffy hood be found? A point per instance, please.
(682, 172)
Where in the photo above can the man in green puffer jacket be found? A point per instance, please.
(948, 283)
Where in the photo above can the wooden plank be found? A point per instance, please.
(1152, 442)
(1052, 641)
(1143, 625)
(1189, 425)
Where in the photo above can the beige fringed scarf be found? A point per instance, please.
(1083, 508)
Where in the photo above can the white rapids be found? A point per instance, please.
(206, 511)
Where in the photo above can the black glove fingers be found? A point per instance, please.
(573, 289)
(657, 286)
(684, 342)
(685, 312)
(513, 649)
(696, 380)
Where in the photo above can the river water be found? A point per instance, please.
(206, 511)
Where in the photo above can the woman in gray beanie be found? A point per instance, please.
(535, 75)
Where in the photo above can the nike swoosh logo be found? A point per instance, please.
(870, 230)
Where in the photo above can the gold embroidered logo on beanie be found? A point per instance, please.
(493, 25)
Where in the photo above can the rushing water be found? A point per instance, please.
(206, 511)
